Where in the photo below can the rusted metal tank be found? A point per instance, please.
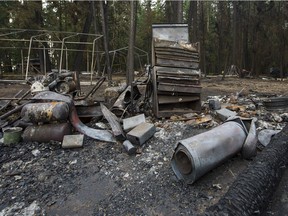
(195, 156)
(73, 117)
(47, 132)
(45, 112)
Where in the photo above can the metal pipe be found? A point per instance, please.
(29, 51)
(48, 31)
(54, 48)
(50, 41)
(66, 58)
(197, 155)
(28, 58)
(22, 61)
(92, 61)
(12, 33)
(62, 47)
(44, 54)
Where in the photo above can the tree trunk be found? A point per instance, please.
(45, 63)
(104, 14)
(130, 57)
(193, 21)
(202, 25)
(78, 61)
(245, 36)
(174, 11)
(97, 42)
(220, 26)
(179, 11)
(235, 36)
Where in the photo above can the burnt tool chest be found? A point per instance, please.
(175, 71)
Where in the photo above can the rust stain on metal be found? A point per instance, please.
(73, 117)
(47, 132)
(45, 112)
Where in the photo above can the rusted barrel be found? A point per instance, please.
(45, 112)
(47, 132)
(195, 156)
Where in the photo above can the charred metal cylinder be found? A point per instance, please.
(64, 87)
(45, 112)
(195, 156)
(47, 132)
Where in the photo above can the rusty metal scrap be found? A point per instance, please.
(124, 100)
(114, 123)
(47, 132)
(74, 119)
(276, 104)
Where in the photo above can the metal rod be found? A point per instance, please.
(22, 61)
(92, 60)
(29, 51)
(56, 42)
(62, 46)
(66, 59)
(11, 33)
(49, 31)
(44, 55)
(28, 58)
(37, 48)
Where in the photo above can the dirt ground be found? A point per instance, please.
(101, 179)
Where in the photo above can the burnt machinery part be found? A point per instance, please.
(253, 188)
(195, 156)
(103, 135)
(47, 132)
(64, 87)
(45, 112)
(276, 104)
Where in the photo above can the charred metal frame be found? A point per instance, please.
(37, 36)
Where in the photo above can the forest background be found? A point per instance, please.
(252, 35)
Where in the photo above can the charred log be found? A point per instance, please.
(250, 193)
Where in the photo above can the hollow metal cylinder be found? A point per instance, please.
(47, 132)
(45, 112)
(129, 147)
(195, 156)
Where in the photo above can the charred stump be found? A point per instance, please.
(250, 192)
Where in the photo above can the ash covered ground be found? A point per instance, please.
(102, 179)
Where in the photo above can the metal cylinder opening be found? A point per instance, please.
(183, 162)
